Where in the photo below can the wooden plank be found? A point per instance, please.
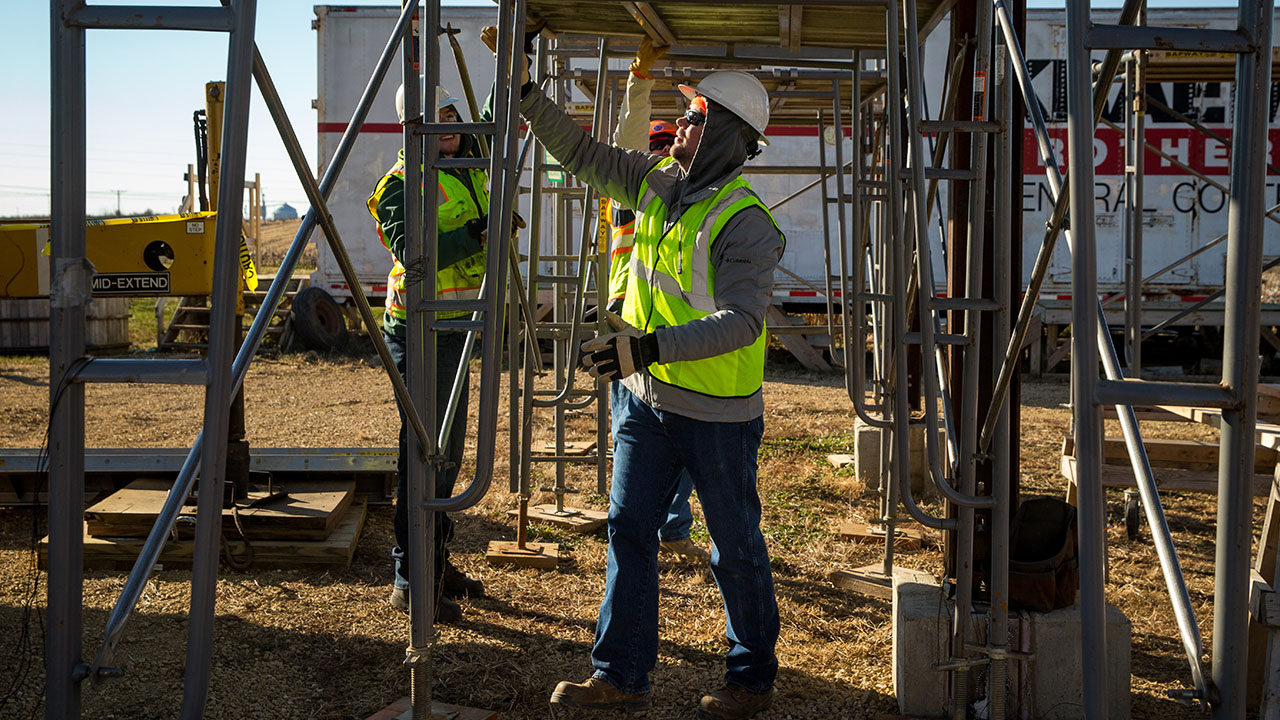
(907, 537)
(308, 511)
(796, 344)
(868, 581)
(544, 556)
(1166, 479)
(1267, 434)
(573, 447)
(1182, 454)
(581, 520)
(402, 709)
(840, 460)
(334, 551)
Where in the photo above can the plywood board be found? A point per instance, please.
(573, 448)
(334, 551)
(582, 520)
(309, 511)
(1181, 454)
(840, 460)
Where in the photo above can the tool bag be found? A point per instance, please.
(1044, 568)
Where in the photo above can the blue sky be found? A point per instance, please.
(143, 87)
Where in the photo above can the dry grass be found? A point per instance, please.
(296, 644)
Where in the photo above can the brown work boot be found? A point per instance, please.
(447, 611)
(686, 550)
(455, 584)
(733, 702)
(597, 694)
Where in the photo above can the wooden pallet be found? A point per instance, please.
(308, 511)
(335, 551)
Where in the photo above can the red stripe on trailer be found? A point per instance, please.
(382, 128)
(1193, 298)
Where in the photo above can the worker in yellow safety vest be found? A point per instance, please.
(689, 349)
(635, 131)
(460, 259)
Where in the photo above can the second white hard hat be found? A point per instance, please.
(443, 100)
(740, 93)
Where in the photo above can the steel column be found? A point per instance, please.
(71, 280)
(1086, 418)
(1240, 360)
(222, 352)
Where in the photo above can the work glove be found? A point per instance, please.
(619, 354)
(489, 36)
(478, 229)
(646, 54)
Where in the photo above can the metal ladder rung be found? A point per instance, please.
(161, 371)
(460, 324)
(949, 174)
(1142, 392)
(913, 338)
(476, 305)
(471, 128)
(561, 258)
(1151, 37)
(949, 303)
(558, 278)
(137, 17)
(463, 163)
(940, 126)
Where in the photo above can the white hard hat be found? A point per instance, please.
(443, 100)
(740, 93)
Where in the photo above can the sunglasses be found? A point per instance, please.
(697, 112)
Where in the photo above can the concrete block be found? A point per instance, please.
(1047, 687)
(867, 458)
(921, 629)
(1056, 691)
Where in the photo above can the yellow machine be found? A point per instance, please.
(161, 255)
(158, 255)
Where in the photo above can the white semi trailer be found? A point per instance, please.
(1180, 212)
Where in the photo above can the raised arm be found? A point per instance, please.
(612, 171)
(632, 132)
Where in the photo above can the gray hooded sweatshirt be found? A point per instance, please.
(743, 256)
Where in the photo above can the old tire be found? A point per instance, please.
(317, 320)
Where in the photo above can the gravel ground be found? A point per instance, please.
(298, 644)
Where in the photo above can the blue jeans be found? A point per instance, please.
(679, 516)
(448, 352)
(649, 449)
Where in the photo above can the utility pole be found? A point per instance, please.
(118, 193)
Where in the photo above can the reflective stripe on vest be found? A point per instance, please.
(622, 239)
(672, 282)
(460, 281)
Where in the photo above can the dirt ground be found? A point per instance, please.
(298, 644)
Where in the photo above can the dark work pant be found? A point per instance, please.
(448, 354)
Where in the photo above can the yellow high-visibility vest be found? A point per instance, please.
(672, 282)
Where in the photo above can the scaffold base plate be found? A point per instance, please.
(867, 580)
(538, 555)
(402, 709)
(582, 520)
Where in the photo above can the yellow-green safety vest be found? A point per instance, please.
(672, 282)
(460, 280)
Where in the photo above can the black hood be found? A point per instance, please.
(719, 158)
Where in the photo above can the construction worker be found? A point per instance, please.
(460, 261)
(635, 132)
(689, 349)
